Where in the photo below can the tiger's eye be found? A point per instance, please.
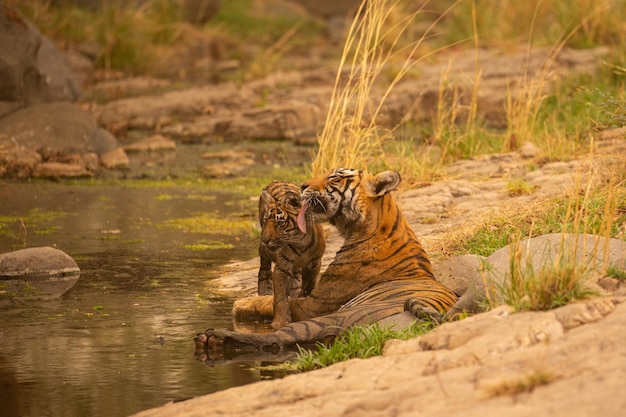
(295, 202)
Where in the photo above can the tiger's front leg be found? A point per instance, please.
(281, 279)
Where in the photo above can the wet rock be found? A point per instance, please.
(16, 160)
(153, 143)
(61, 134)
(36, 272)
(157, 110)
(227, 163)
(32, 69)
(115, 159)
(60, 170)
(57, 129)
(31, 262)
(295, 121)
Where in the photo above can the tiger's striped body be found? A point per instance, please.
(380, 271)
(379, 244)
(293, 253)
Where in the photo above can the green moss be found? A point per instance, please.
(34, 220)
(203, 245)
(209, 223)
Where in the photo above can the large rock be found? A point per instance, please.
(36, 272)
(55, 133)
(36, 262)
(478, 278)
(32, 69)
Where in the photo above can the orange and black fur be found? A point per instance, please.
(294, 253)
(381, 269)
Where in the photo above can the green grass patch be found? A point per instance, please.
(554, 216)
(358, 342)
(617, 273)
(552, 286)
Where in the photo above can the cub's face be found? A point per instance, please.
(279, 205)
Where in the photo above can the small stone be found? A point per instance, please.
(529, 150)
(60, 170)
(115, 159)
(153, 143)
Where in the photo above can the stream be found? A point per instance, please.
(121, 339)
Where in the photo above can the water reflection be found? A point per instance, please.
(120, 340)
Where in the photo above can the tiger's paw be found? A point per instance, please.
(208, 341)
(422, 312)
(254, 308)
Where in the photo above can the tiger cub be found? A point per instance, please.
(292, 251)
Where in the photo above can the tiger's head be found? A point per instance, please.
(345, 197)
(279, 205)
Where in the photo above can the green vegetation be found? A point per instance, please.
(518, 187)
(209, 223)
(615, 272)
(33, 221)
(203, 245)
(137, 39)
(602, 212)
(549, 287)
(358, 342)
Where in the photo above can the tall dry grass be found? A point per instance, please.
(351, 136)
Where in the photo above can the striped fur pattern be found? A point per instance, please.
(380, 271)
(296, 256)
(379, 245)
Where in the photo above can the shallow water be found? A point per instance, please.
(121, 339)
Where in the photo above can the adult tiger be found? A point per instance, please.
(380, 269)
(292, 251)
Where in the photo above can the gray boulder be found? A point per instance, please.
(60, 133)
(32, 69)
(36, 272)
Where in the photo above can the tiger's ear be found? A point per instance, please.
(264, 199)
(385, 182)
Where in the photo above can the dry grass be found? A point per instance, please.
(522, 385)
(351, 136)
